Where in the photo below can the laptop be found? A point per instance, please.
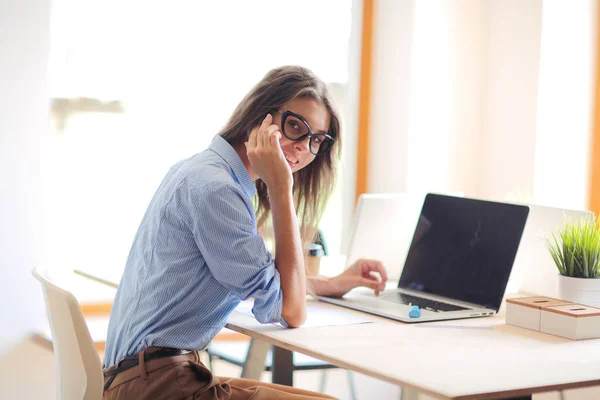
(458, 264)
(382, 229)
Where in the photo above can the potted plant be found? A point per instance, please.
(576, 253)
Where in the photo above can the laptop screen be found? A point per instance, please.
(464, 249)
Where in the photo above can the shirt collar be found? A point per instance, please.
(224, 149)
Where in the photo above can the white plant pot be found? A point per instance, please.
(579, 290)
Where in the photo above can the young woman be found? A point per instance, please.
(197, 252)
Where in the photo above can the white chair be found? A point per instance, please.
(78, 366)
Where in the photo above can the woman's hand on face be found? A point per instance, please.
(266, 157)
(360, 274)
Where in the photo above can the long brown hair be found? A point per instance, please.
(314, 183)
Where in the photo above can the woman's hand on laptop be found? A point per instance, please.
(367, 273)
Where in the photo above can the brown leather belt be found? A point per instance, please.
(133, 360)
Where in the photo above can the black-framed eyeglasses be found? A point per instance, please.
(295, 128)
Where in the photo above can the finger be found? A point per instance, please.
(274, 139)
(271, 130)
(263, 127)
(268, 134)
(369, 283)
(365, 268)
(369, 266)
(267, 121)
(372, 278)
(260, 137)
(375, 285)
(253, 139)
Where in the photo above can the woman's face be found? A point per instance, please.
(298, 154)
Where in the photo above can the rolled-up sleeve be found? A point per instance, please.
(224, 229)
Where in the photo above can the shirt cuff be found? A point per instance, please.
(278, 317)
(267, 309)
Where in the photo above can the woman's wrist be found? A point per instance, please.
(322, 285)
(281, 186)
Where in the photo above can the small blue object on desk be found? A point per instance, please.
(414, 312)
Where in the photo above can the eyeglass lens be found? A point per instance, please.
(294, 128)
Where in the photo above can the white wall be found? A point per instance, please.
(389, 119)
(488, 98)
(24, 47)
(427, 109)
(446, 108)
(454, 97)
(510, 98)
(566, 89)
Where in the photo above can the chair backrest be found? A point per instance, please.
(78, 365)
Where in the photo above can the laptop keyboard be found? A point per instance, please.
(427, 304)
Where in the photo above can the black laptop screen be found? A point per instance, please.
(464, 249)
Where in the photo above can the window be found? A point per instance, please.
(137, 86)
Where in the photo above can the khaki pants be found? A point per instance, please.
(185, 377)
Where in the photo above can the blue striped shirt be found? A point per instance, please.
(195, 256)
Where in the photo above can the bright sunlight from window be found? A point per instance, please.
(139, 85)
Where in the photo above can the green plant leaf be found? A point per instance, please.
(575, 249)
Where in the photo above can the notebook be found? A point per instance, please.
(457, 266)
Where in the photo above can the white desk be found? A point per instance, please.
(463, 359)
(471, 358)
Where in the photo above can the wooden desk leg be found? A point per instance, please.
(255, 359)
(283, 366)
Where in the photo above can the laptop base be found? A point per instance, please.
(365, 301)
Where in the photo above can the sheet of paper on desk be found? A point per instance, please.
(318, 316)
